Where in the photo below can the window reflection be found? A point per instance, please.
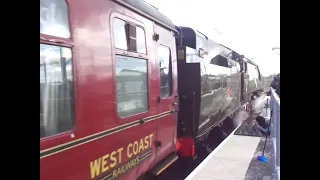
(238, 67)
(120, 36)
(132, 85)
(54, 18)
(141, 41)
(56, 90)
(252, 71)
(165, 71)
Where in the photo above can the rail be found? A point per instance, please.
(275, 129)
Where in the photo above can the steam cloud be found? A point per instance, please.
(259, 104)
(240, 117)
(257, 107)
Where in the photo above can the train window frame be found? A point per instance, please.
(52, 38)
(71, 97)
(259, 74)
(246, 67)
(253, 71)
(169, 73)
(131, 54)
(232, 64)
(67, 136)
(238, 67)
(128, 23)
(124, 118)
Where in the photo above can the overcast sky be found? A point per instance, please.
(251, 27)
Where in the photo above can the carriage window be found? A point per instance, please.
(238, 67)
(132, 85)
(233, 66)
(119, 33)
(252, 71)
(141, 41)
(258, 72)
(129, 37)
(56, 90)
(54, 18)
(165, 71)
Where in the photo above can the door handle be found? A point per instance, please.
(176, 104)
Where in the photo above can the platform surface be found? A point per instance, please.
(230, 162)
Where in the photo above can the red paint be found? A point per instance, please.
(193, 150)
(186, 147)
(95, 94)
(178, 146)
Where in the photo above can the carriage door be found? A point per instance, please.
(167, 124)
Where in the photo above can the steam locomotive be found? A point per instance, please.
(124, 92)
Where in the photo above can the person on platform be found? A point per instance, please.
(276, 84)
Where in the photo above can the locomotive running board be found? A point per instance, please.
(164, 165)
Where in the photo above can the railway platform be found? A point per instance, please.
(236, 158)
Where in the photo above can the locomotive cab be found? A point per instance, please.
(253, 85)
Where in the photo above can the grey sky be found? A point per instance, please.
(250, 27)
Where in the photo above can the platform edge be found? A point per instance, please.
(206, 160)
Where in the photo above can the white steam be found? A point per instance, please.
(259, 104)
(240, 117)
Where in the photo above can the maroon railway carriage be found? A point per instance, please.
(109, 91)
